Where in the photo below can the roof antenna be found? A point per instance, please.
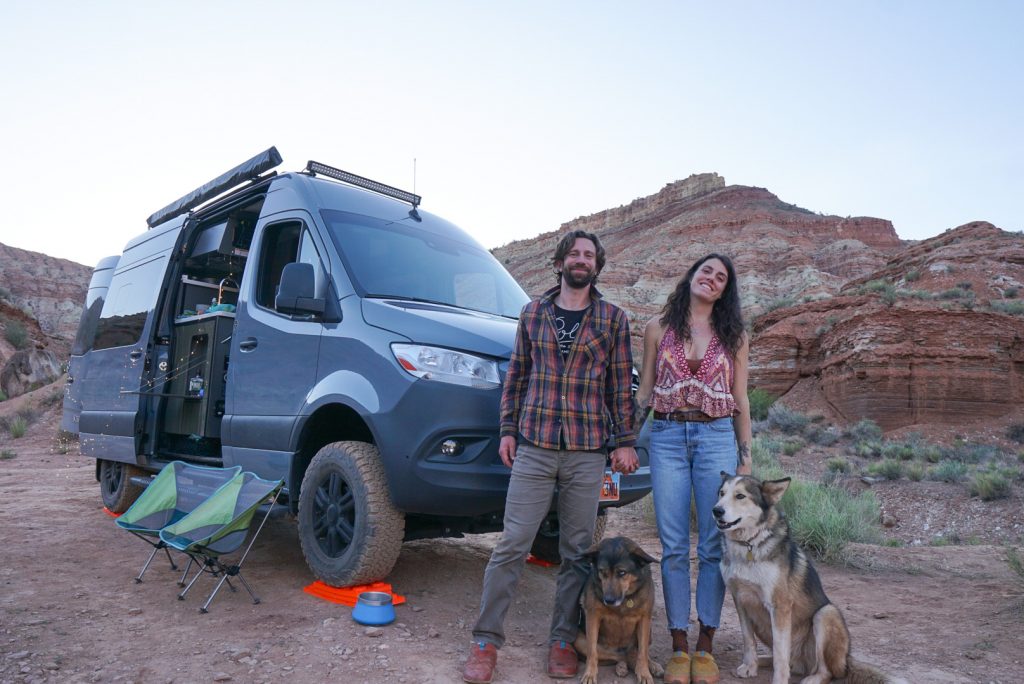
(412, 212)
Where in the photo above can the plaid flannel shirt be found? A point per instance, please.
(587, 397)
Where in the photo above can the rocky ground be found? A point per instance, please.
(70, 612)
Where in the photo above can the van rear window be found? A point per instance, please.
(132, 296)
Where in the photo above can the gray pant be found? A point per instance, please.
(535, 473)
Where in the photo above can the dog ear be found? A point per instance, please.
(639, 556)
(774, 489)
(726, 476)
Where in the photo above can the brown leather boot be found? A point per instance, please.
(562, 660)
(479, 667)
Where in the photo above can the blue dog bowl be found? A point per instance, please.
(374, 608)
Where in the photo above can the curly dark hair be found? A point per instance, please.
(566, 244)
(726, 315)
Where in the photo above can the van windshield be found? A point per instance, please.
(427, 261)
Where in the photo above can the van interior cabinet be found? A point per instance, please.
(196, 398)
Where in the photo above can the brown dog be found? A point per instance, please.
(618, 601)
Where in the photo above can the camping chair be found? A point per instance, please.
(177, 490)
(219, 526)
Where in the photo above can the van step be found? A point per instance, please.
(192, 458)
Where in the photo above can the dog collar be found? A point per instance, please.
(750, 550)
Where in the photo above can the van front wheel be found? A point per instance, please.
(349, 530)
(116, 486)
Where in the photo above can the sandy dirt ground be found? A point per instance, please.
(70, 612)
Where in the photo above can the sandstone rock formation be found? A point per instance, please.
(42, 297)
(782, 252)
(45, 288)
(28, 369)
(850, 321)
(934, 336)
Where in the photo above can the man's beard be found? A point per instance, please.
(578, 281)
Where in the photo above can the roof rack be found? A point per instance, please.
(314, 168)
(247, 170)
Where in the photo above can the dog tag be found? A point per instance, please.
(629, 603)
(750, 555)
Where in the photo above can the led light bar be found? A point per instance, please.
(360, 182)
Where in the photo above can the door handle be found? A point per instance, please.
(135, 355)
(248, 344)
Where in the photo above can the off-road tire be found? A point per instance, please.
(545, 544)
(349, 530)
(116, 487)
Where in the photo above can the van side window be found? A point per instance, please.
(283, 244)
(132, 295)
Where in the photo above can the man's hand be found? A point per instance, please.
(507, 450)
(624, 460)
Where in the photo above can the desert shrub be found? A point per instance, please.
(760, 401)
(1016, 433)
(792, 446)
(915, 472)
(765, 464)
(15, 333)
(780, 303)
(821, 434)
(955, 293)
(1011, 292)
(837, 465)
(824, 519)
(947, 471)
(866, 429)
(965, 285)
(17, 427)
(786, 420)
(903, 451)
(930, 452)
(1014, 307)
(889, 468)
(3, 397)
(868, 448)
(969, 452)
(912, 275)
(991, 484)
(7, 455)
(5, 294)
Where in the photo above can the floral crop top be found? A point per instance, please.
(677, 388)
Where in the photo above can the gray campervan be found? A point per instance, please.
(318, 327)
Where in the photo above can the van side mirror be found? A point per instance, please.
(297, 292)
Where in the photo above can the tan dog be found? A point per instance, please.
(777, 592)
(618, 601)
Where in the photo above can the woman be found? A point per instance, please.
(695, 378)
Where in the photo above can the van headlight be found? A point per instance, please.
(445, 365)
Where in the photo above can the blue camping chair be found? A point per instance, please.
(176, 491)
(219, 526)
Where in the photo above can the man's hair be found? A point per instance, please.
(566, 244)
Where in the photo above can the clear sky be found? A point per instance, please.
(520, 115)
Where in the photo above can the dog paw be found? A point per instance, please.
(643, 677)
(588, 676)
(746, 670)
(656, 669)
(621, 669)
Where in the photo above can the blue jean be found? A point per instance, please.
(689, 457)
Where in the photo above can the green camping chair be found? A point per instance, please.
(176, 491)
(219, 526)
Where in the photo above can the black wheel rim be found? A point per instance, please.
(334, 515)
(111, 475)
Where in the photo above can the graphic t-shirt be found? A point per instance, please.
(567, 327)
